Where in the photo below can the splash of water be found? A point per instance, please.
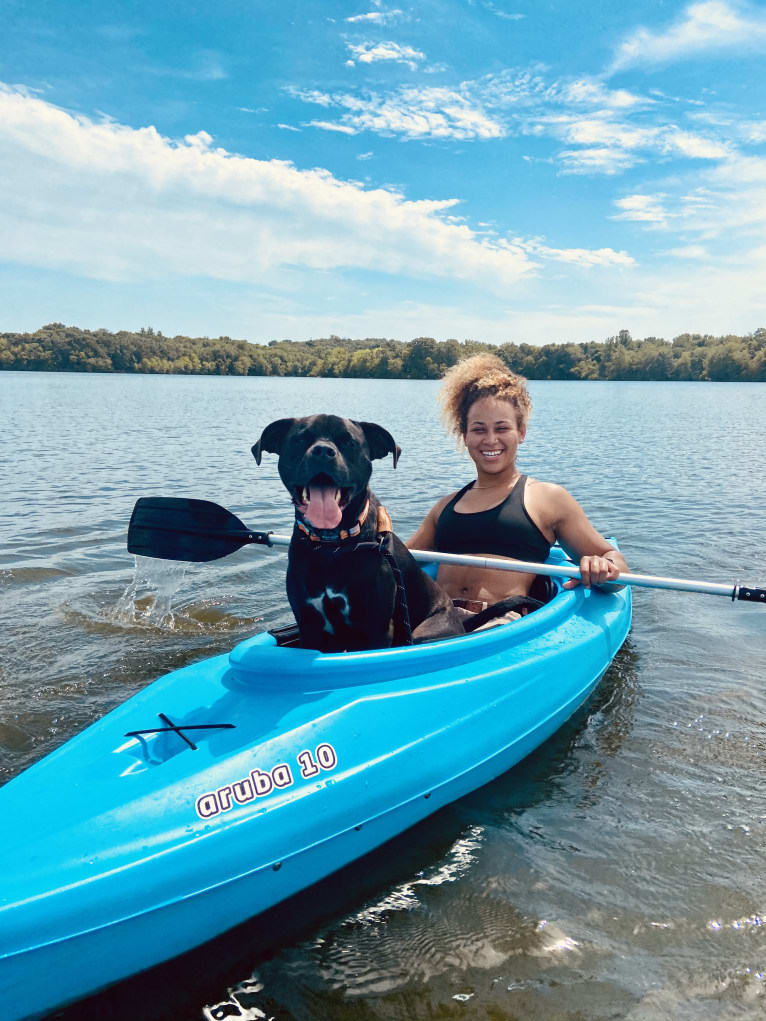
(148, 598)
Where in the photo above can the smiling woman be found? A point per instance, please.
(503, 512)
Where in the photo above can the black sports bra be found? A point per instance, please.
(506, 530)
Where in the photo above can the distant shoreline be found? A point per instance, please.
(689, 357)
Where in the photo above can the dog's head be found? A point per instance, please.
(325, 463)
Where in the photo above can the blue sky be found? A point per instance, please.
(504, 171)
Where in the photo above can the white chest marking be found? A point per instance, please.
(342, 607)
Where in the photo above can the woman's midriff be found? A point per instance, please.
(487, 585)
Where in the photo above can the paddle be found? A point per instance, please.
(197, 531)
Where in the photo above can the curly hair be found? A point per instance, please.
(477, 377)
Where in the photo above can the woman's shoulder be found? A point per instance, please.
(544, 490)
(548, 499)
(543, 486)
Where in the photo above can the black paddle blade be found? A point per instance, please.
(175, 528)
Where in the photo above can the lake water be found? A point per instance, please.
(618, 872)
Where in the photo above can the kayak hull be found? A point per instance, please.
(134, 849)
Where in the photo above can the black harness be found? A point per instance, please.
(383, 545)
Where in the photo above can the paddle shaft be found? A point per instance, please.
(197, 531)
(732, 591)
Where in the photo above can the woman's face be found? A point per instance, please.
(493, 435)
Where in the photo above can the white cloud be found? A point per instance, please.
(342, 129)
(107, 201)
(604, 131)
(755, 133)
(642, 208)
(695, 146)
(735, 129)
(610, 145)
(731, 202)
(740, 172)
(703, 28)
(500, 13)
(528, 88)
(411, 113)
(372, 53)
(594, 92)
(727, 202)
(615, 134)
(513, 88)
(472, 109)
(597, 160)
(718, 217)
(377, 17)
(689, 252)
(313, 96)
(585, 257)
(660, 95)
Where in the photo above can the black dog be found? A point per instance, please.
(344, 559)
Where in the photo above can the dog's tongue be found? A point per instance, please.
(322, 508)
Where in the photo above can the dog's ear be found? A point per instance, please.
(380, 441)
(272, 438)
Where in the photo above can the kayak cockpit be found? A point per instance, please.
(266, 663)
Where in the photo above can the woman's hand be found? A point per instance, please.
(596, 570)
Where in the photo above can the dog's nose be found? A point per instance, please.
(324, 450)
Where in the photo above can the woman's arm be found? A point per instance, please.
(599, 561)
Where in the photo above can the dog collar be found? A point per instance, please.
(339, 535)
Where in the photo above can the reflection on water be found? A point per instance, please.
(616, 872)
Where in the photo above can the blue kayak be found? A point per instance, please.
(228, 785)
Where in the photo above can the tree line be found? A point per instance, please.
(690, 356)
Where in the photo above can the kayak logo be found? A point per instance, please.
(259, 783)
